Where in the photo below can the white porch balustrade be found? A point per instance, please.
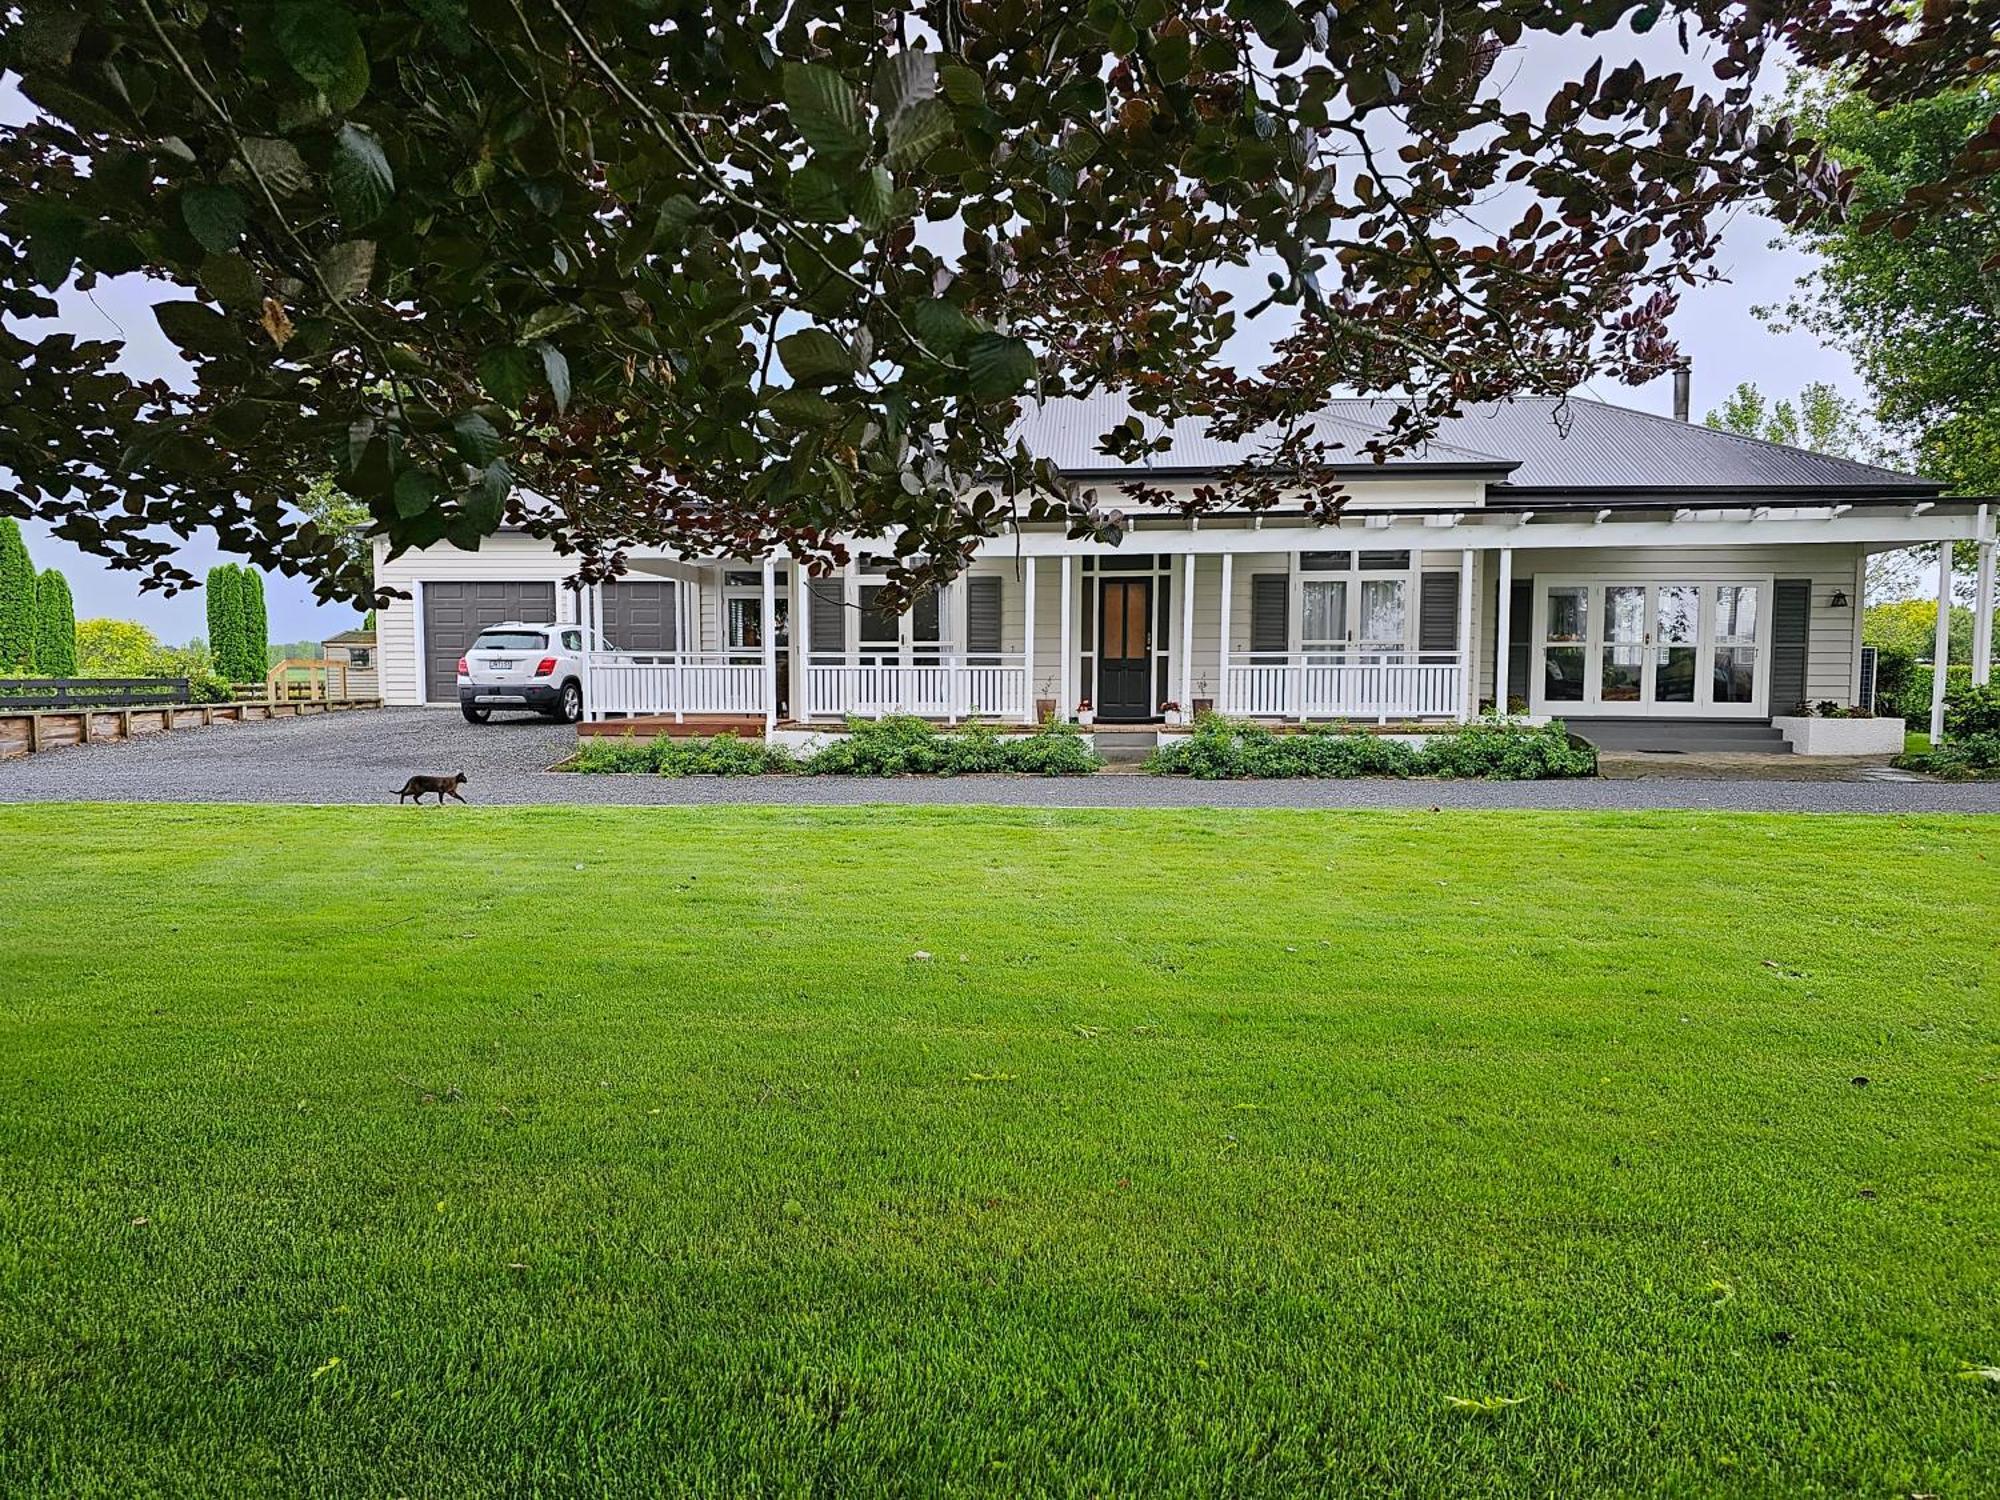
(1378, 685)
(932, 685)
(674, 682)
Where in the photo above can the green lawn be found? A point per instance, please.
(555, 1151)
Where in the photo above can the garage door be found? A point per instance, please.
(639, 616)
(454, 613)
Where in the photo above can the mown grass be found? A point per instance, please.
(559, 1151)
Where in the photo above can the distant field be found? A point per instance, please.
(556, 1151)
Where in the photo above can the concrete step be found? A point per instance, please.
(1125, 746)
(1670, 736)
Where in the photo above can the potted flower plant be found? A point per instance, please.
(1084, 714)
(1171, 712)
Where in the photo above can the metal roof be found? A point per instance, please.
(1569, 445)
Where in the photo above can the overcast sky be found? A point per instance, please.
(1715, 326)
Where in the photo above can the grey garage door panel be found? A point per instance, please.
(455, 613)
(639, 616)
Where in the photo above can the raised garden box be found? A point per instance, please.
(1840, 736)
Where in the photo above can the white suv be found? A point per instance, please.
(517, 665)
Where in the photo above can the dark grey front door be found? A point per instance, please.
(454, 613)
(1125, 648)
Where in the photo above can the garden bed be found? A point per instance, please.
(1215, 749)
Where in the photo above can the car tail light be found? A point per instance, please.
(545, 667)
(461, 668)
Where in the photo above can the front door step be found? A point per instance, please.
(1125, 746)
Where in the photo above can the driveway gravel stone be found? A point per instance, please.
(362, 757)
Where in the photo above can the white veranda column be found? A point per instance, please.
(1468, 680)
(802, 637)
(1222, 705)
(1187, 638)
(1982, 603)
(770, 634)
(1028, 565)
(1941, 658)
(1066, 666)
(1503, 622)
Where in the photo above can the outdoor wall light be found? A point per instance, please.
(1839, 599)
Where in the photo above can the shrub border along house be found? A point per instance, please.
(895, 746)
(1216, 749)
(1219, 749)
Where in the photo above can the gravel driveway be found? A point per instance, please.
(363, 757)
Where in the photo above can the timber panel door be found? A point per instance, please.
(1125, 648)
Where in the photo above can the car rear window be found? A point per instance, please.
(510, 640)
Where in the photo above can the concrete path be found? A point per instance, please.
(364, 757)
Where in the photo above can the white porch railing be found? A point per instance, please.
(930, 684)
(673, 682)
(1379, 685)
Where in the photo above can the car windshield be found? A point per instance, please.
(510, 640)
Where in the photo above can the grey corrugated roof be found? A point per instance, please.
(1068, 429)
(1549, 444)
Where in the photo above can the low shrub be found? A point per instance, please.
(901, 746)
(609, 757)
(1221, 749)
(1500, 751)
(1056, 749)
(724, 755)
(1971, 711)
(1975, 756)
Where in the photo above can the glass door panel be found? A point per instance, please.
(1676, 637)
(1621, 673)
(1735, 671)
(1383, 616)
(1323, 627)
(1565, 642)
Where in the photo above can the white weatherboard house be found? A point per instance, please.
(1574, 559)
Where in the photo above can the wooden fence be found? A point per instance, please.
(25, 731)
(62, 693)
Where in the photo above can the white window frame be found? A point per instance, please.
(1702, 707)
(1352, 577)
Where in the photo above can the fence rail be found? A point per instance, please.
(90, 692)
(673, 682)
(1427, 685)
(944, 687)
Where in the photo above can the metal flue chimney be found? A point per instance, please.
(1683, 392)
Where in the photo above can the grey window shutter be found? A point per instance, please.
(829, 618)
(1437, 613)
(1520, 621)
(1791, 613)
(1270, 596)
(982, 614)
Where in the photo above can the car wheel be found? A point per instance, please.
(570, 710)
(475, 715)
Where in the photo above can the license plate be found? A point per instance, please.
(499, 664)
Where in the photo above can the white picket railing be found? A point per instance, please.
(673, 682)
(935, 685)
(1361, 685)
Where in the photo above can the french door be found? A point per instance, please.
(1355, 619)
(1651, 648)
